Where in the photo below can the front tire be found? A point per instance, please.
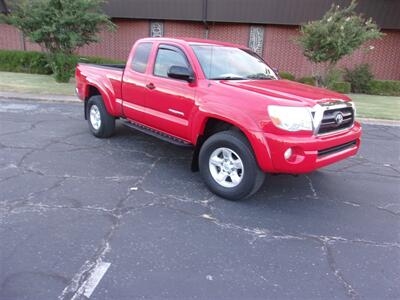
(101, 123)
(228, 166)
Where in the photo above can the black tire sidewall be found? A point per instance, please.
(237, 144)
(106, 119)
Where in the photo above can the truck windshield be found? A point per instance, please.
(230, 63)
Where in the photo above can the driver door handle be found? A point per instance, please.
(150, 86)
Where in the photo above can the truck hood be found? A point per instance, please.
(287, 90)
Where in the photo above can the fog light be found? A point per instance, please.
(288, 153)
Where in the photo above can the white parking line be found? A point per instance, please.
(90, 284)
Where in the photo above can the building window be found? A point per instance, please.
(256, 40)
(156, 29)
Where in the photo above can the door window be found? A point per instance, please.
(168, 56)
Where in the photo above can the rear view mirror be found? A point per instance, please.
(182, 73)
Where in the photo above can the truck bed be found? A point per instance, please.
(108, 78)
(108, 66)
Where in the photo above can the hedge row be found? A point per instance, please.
(384, 87)
(286, 75)
(341, 87)
(100, 60)
(375, 87)
(36, 62)
(24, 62)
(307, 80)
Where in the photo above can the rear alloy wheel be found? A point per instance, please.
(228, 166)
(95, 118)
(101, 123)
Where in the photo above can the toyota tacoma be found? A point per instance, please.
(226, 104)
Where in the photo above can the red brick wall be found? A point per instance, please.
(9, 38)
(234, 33)
(117, 44)
(282, 51)
(183, 29)
(385, 57)
(280, 47)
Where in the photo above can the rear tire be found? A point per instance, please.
(228, 166)
(101, 123)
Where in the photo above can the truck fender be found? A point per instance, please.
(105, 94)
(254, 135)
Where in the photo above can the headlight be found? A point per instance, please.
(290, 118)
(354, 109)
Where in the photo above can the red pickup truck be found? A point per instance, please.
(223, 101)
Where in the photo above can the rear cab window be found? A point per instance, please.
(141, 57)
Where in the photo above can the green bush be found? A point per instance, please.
(332, 77)
(24, 62)
(307, 80)
(384, 87)
(63, 66)
(286, 75)
(360, 78)
(38, 62)
(98, 60)
(341, 87)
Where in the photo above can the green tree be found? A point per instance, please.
(340, 32)
(60, 27)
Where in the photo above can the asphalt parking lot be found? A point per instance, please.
(125, 218)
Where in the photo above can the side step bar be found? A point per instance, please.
(158, 134)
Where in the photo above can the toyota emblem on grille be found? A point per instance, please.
(339, 119)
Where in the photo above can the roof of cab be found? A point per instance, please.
(192, 41)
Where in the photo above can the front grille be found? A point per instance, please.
(335, 149)
(329, 124)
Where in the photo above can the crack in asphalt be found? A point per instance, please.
(31, 127)
(264, 233)
(73, 290)
(117, 213)
(347, 170)
(312, 188)
(350, 291)
(267, 234)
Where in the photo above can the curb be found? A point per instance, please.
(382, 122)
(39, 97)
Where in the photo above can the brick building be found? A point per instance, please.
(269, 27)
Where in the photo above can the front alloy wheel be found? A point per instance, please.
(228, 165)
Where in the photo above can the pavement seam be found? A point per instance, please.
(39, 97)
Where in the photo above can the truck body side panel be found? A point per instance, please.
(106, 80)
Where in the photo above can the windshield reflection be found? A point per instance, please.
(230, 63)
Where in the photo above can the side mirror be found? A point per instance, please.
(182, 73)
(276, 71)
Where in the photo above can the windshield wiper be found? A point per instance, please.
(228, 78)
(261, 76)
